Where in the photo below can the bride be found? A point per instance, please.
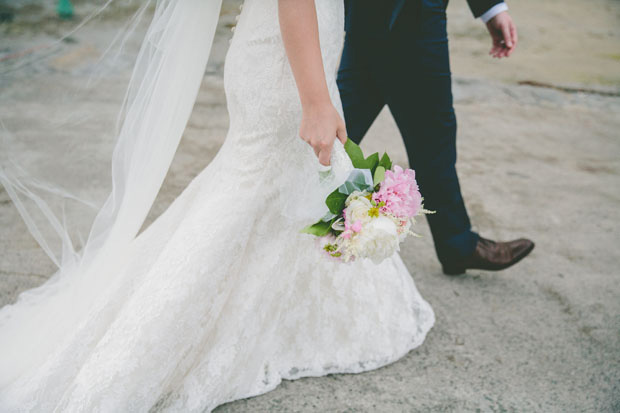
(221, 297)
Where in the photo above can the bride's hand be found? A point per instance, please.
(320, 126)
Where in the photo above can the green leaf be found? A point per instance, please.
(379, 175)
(372, 162)
(386, 162)
(319, 229)
(354, 152)
(335, 202)
(358, 160)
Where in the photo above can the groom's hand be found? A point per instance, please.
(504, 35)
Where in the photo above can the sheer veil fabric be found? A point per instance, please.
(159, 100)
(221, 297)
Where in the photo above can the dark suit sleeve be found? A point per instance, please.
(479, 7)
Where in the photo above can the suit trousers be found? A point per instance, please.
(407, 68)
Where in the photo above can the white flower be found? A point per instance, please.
(378, 240)
(357, 208)
(355, 195)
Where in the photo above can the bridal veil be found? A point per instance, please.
(159, 99)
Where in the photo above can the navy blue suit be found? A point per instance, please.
(396, 54)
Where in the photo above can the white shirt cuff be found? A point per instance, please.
(494, 11)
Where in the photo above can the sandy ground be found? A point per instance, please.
(536, 162)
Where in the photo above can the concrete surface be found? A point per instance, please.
(537, 162)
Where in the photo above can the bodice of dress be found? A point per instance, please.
(260, 87)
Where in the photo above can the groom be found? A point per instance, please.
(396, 54)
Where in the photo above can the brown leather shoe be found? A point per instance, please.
(492, 256)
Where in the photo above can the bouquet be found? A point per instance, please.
(372, 212)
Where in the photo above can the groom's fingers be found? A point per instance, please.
(502, 51)
(496, 50)
(515, 35)
(506, 32)
(498, 45)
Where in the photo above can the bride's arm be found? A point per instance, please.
(321, 124)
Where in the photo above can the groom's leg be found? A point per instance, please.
(361, 98)
(420, 99)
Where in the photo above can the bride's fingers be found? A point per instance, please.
(314, 145)
(325, 155)
(316, 149)
(341, 133)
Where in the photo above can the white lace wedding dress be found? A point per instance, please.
(222, 297)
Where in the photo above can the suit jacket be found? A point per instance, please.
(376, 16)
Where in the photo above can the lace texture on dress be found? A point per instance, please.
(221, 297)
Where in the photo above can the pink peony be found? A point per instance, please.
(351, 229)
(399, 193)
